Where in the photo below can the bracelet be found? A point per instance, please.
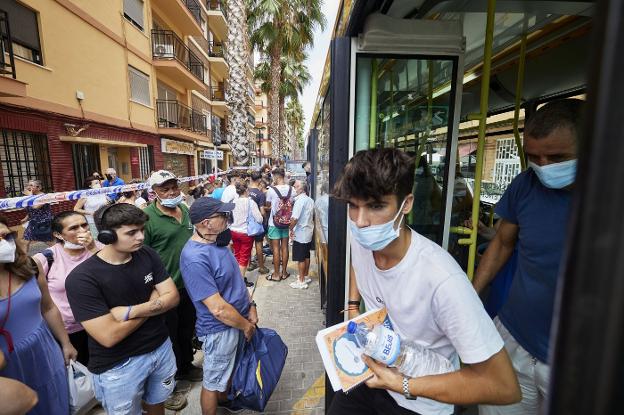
(354, 302)
(127, 316)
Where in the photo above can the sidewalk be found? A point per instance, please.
(296, 315)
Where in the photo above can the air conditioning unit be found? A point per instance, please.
(163, 49)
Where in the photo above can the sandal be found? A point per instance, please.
(269, 277)
(284, 276)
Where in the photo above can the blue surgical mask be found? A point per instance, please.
(556, 175)
(171, 203)
(376, 237)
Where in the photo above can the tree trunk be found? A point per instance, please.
(274, 100)
(282, 127)
(236, 56)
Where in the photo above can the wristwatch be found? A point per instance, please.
(406, 391)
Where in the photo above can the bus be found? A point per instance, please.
(451, 83)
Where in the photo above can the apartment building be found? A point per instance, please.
(261, 136)
(137, 85)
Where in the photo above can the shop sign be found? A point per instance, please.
(177, 147)
(212, 154)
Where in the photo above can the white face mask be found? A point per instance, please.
(71, 245)
(377, 237)
(7, 251)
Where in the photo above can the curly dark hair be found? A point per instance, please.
(373, 174)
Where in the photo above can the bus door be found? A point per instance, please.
(406, 87)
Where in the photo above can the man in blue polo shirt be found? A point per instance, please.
(224, 308)
(534, 215)
(112, 180)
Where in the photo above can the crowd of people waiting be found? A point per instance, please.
(131, 281)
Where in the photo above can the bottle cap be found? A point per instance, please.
(352, 327)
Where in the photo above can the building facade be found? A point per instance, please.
(261, 134)
(136, 85)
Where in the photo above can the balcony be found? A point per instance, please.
(216, 56)
(217, 17)
(175, 59)
(9, 85)
(178, 120)
(185, 14)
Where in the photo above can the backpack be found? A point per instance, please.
(281, 217)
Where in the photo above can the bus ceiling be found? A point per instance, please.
(557, 46)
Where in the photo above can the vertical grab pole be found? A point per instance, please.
(519, 87)
(372, 134)
(482, 118)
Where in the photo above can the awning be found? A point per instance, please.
(101, 141)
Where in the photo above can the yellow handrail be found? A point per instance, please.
(519, 87)
(482, 118)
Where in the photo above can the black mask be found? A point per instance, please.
(109, 177)
(224, 238)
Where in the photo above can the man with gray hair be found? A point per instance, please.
(112, 180)
(301, 231)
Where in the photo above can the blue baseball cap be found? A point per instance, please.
(205, 207)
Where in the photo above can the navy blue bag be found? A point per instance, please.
(257, 370)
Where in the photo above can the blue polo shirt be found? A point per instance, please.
(208, 269)
(116, 182)
(542, 217)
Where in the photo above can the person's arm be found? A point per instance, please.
(52, 316)
(256, 212)
(108, 332)
(491, 382)
(78, 207)
(228, 315)
(163, 299)
(354, 295)
(16, 398)
(496, 255)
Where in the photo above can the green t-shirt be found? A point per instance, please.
(167, 236)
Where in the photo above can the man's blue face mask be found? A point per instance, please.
(376, 237)
(556, 175)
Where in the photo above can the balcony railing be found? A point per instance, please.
(6, 46)
(195, 9)
(174, 114)
(216, 5)
(216, 93)
(167, 45)
(216, 49)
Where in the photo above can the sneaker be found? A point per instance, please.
(298, 285)
(192, 374)
(176, 401)
(228, 407)
(263, 270)
(248, 284)
(307, 280)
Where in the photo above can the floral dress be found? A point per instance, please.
(39, 224)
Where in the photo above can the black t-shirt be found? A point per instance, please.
(95, 286)
(259, 197)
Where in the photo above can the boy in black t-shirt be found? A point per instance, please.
(119, 296)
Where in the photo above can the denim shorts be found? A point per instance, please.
(149, 377)
(219, 355)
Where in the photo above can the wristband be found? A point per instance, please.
(127, 316)
(354, 302)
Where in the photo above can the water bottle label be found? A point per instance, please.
(389, 347)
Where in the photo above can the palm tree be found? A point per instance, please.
(236, 55)
(295, 76)
(282, 27)
(295, 120)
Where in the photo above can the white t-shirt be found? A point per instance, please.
(430, 301)
(240, 212)
(271, 197)
(303, 211)
(229, 194)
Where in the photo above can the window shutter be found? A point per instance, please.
(134, 10)
(23, 22)
(139, 86)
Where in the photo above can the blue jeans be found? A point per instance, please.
(149, 377)
(219, 355)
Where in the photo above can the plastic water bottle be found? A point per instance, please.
(411, 359)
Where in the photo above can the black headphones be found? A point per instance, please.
(106, 236)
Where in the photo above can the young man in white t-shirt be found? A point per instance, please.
(427, 295)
